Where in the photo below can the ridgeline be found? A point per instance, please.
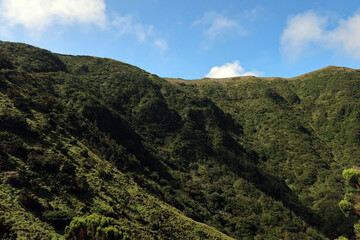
(93, 147)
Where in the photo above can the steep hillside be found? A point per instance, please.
(247, 158)
(304, 130)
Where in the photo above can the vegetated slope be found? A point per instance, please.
(56, 164)
(305, 130)
(82, 135)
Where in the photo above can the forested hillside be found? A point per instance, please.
(93, 147)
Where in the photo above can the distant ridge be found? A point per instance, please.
(252, 78)
(328, 68)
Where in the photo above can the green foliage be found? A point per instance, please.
(341, 238)
(201, 233)
(357, 229)
(345, 207)
(351, 177)
(37, 60)
(245, 157)
(95, 227)
(58, 218)
(350, 203)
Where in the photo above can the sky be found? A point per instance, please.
(192, 39)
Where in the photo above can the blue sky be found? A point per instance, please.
(193, 39)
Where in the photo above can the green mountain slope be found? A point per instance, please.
(304, 130)
(247, 158)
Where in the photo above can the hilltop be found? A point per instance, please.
(243, 158)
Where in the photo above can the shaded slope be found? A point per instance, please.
(54, 168)
(200, 135)
(92, 135)
(304, 130)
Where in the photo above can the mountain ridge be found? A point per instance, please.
(248, 159)
(250, 78)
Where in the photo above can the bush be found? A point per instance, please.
(351, 177)
(95, 226)
(201, 234)
(341, 238)
(345, 207)
(59, 219)
(357, 229)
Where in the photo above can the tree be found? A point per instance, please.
(350, 202)
(95, 227)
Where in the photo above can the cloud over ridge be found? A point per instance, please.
(230, 70)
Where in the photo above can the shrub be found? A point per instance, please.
(96, 227)
(58, 218)
(341, 238)
(357, 229)
(345, 207)
(351, 177)
(201, 233)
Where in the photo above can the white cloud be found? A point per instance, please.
(38, 15)
(302, 30)
(126, 25)
(347, 36)
(230, 70)
(161, 44)
(308, 29)
(217, 25)
(143, 33)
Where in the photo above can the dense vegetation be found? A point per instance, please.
(350, 203)
(92, 147)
